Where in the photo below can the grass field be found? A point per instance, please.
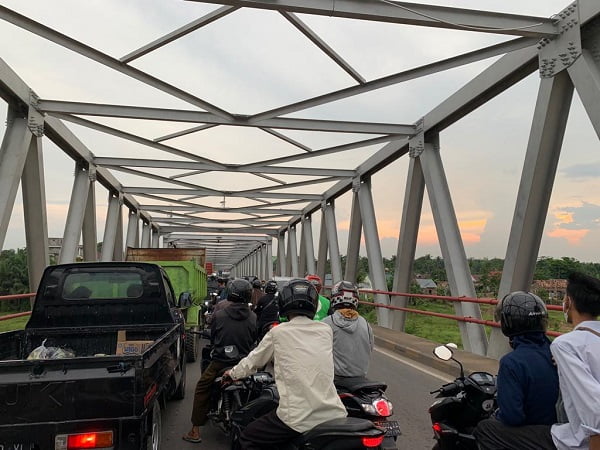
(13, 324)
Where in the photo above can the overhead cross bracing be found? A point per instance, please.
(265, 145)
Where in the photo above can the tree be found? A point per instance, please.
(14, 279)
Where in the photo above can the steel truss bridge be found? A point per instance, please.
(178, 206)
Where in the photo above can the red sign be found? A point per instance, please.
(208, 266)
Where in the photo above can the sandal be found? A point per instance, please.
(191, 438)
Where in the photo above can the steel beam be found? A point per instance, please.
(74, 224)
(376, 269)
(322, 45)
(407, 239)
(102, 58)
(541, 160)
(178, 33)
(354, 236)
(302, 252)
(133, 226)
(176, 191)
(281, 255)
(62, 109)
(155, 238)
(89, 231)
(585, 75)
(451, 245)
(332, 242)
(13, 154)
(288, 254)
(110, 227)
(323, 248)
(400, 77)
(203, 208)
(188, 165)
(145, 235)
(293, 255)
(410, 14)
(307, 233)
(269, 260)
(34, 213)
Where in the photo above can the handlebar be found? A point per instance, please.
(449, 388)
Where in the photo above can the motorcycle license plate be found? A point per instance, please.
(392, 428)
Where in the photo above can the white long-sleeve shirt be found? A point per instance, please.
(302, 350)
(577, 356)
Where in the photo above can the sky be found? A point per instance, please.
(252, 60)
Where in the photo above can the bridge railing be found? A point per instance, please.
(487, 301)
(15, 297)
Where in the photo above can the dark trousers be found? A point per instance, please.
(202, 394)
(491, 434)
(266, 433)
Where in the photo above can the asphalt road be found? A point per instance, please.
(408, 388)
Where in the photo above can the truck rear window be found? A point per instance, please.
(102, 285)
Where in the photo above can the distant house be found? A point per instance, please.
(555, 288)
(427, 285)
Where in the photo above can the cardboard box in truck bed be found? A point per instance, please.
(125, 347)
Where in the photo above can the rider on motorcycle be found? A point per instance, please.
(267, 309)
(233, 333)
(324, 304)
(527, 379)
(352, 335)
(302, 352)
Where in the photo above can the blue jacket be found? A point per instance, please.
(528, 382)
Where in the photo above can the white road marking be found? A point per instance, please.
(415, 365)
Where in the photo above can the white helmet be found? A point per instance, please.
(344, 295)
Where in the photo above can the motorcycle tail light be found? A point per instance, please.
(383, 407)
(437, 428)
(372, 442)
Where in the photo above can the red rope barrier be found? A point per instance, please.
(14, 316)
(16, 296)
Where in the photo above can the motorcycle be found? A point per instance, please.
(366, 399)
(339, 434)
(461, 405)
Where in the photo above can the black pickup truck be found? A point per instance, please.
(92, 397)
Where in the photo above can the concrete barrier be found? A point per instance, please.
(421, 350)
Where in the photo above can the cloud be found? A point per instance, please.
(574, 222)
(582, 172)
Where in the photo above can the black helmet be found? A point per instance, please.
(298, 297)
(239, 290)
(521, 312)
(257, 284)
(271, 287)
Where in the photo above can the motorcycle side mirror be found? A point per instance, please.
(443, 352)
(452, 345)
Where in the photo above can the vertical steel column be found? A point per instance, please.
(288, 255)
(145, 235)
(13, 154)
(155, 237)
(376, 269)
(74, 224)
(354, 235)
(293, 256)
(269, 258)
(261, 262)
(34, 213)
(118, 252)
(543, 151)
(453, 251)
(89, 231)
(281, 254)
(323, 247)
(332, 241)
(302, 256)
(585, 74)
(309, 243)
(132, 228)
(110, 227)
(407, 239)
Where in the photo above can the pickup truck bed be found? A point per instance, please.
(96, 390)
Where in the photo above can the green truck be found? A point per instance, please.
(185, 268)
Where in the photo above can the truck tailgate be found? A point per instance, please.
(61, 390)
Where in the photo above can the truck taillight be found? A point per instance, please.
(80, 441)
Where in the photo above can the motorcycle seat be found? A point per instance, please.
(354, 384)
(344, 424)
